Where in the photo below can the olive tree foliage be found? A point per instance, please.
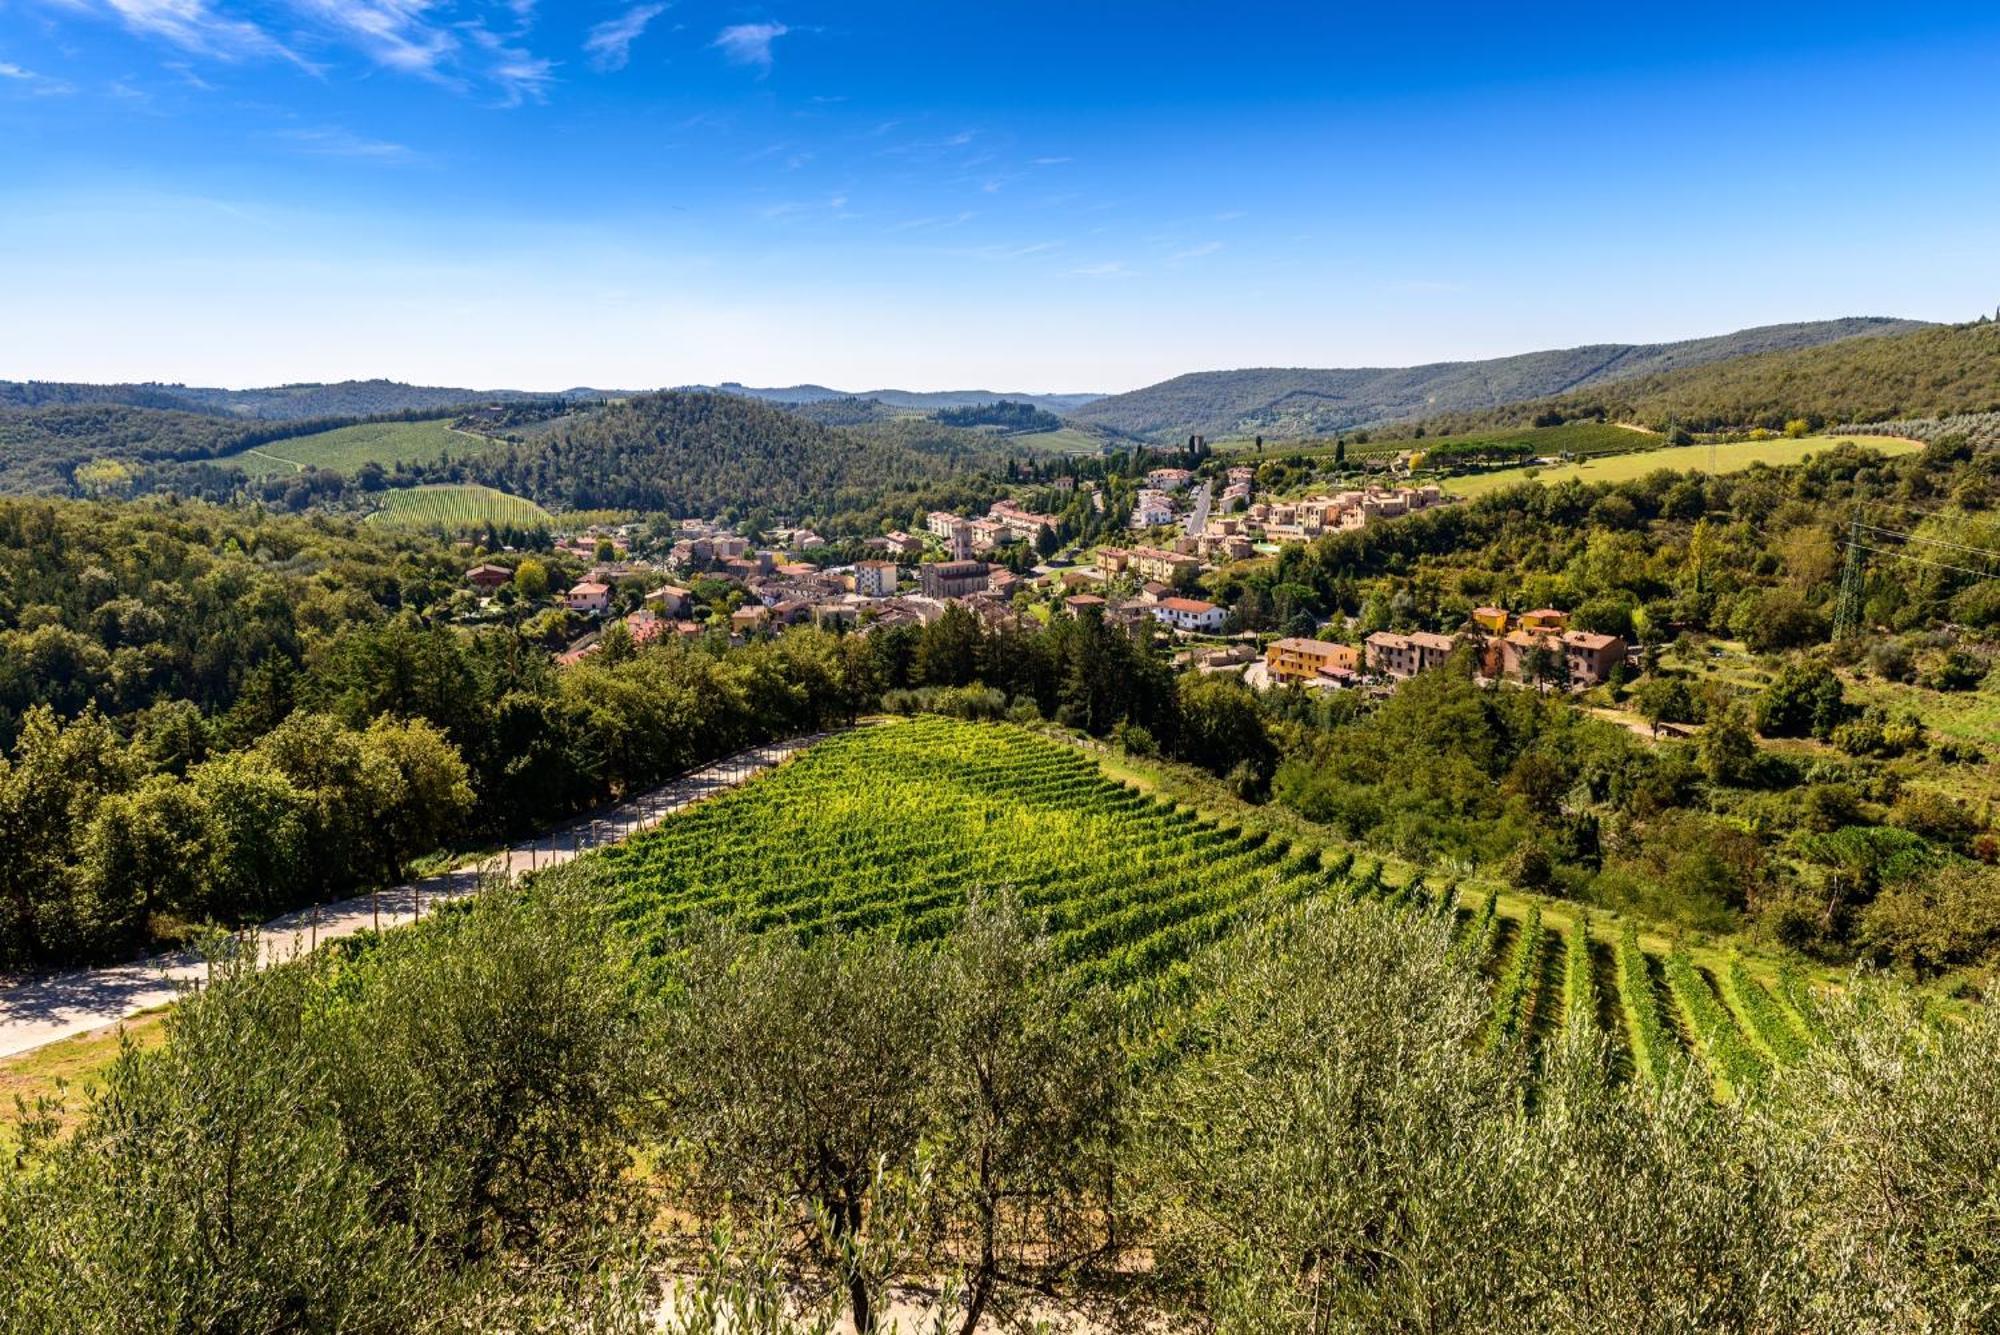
(1891, 1134)
(428, 1132)
(888, 1109)
(1338, 1155)
(1304, 1167)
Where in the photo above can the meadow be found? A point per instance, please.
(1582, 438)
(345, 449)
(893, 827)
(1729, 458)
(454, 508)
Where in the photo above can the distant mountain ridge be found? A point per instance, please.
(917, 400)
(369, 398)
(1934, 371)
(277, 403)
(1294, 402)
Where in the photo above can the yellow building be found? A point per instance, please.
(1546, 618)
(1296, 660)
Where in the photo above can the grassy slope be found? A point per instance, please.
(347, 448)
(1068, 440)
(455, 507)
(1691, 458)
(1570, 438)
(68, 1070)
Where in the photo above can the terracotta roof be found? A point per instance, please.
(1191, 605)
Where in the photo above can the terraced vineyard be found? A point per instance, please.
(892, 827)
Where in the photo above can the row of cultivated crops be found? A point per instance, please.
(892, 827)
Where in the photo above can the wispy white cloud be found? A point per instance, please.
(186, 73)
(1231, 215)
(193, 26)
(1020, 252)
(1196, 252)
(609, 45)
(396, 33)
(1108, 269)
(750, 43)
(1051, 162)
(520, 75)
(335, 142)
(936, 220)
(27, 80)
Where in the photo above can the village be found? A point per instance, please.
(1010, 568)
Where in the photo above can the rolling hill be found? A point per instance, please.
(699, 454)
(278, 403)
(1305, 402)
(912, 400)
(1932, 372)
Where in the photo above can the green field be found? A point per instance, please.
(346, 448)
(452, 509)
(1584, 438)
(892, 827)
(1689, 458)
(1067, 440)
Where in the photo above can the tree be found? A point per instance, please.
(1728, 748)
(1222, 726)
(1804, 700)
(1029, 1095)
(531, 579)
(422, 789)
(948, 648)
(797, 1081)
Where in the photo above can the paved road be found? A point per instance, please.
(42, 1009)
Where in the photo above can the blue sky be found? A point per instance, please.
(1028, 196)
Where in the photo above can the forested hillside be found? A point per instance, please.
(703, 454)
(278, 403)
(909, 400)
(1934, 372)
(214, 714)
(42, 447)
(1304, 402)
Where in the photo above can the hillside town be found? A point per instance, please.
(1007, 568)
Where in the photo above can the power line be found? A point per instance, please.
(1934, 542)
(1905, 556)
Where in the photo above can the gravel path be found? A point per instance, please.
(46, 1007)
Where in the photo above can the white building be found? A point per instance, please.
(589, 596)
(1152, 510)
(875, 579)
(1188, 614)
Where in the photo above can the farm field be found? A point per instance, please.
(1689, 458)
(1584, 438)
(1068, 440)
(345, 449)
(891, 828)
(451, 508)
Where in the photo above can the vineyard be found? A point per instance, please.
(893, 827)
(452, 509)
(346, 448)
